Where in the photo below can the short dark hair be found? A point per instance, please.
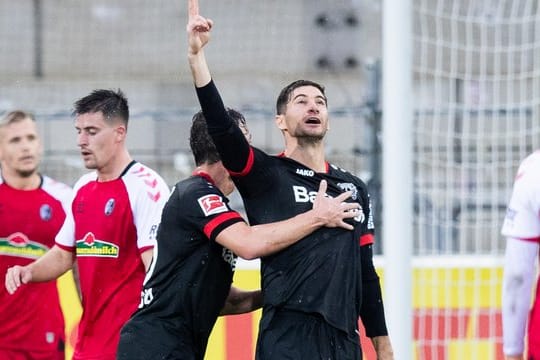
(113, 105)
(285, 95)
(202, 145)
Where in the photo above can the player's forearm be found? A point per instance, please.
(199, 68)
(264, 240)
(383, 347)
(241, 301)
(51, 265)
(519, 265)
(372, 310)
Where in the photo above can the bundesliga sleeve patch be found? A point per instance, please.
(212, 204)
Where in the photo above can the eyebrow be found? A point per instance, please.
(304, 95)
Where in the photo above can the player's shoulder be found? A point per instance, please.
(141, 171)
(85, 179)
(139, 174)
(56, 188)
(194, 186)
(344, 175)
(529, 169)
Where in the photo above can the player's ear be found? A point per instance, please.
(121, 132)
(280, 122)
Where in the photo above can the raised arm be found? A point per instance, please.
(250, 242)
(230, 142)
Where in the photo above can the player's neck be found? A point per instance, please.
(18, 182)
(311, 156)
(217, 174)
(116, 166)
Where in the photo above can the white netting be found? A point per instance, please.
(477, 115)
(53, 52)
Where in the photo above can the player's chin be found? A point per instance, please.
(27, 171)
(90, 164)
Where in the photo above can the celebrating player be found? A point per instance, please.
(197, 244)
(32, 210)
(115, 216)
(315, 290)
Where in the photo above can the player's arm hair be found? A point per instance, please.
(251, 242)
(372, 310)
(50, 266)
(241, 301)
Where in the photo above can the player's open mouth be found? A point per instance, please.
(313, 120)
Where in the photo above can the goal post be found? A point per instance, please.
(397, 179)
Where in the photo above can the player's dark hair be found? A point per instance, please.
(113, 105)
(202, 145)
(16, 116)
(285, 95)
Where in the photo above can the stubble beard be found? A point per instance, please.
(25, 174)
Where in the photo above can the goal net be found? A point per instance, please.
(476, 116)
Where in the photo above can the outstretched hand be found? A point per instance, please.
(16, 276)
(198, 28)
(333, 211)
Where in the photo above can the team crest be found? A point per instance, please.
(212, 204)
(349, 187)
(49, 337)
(109, 206)
(45, 212)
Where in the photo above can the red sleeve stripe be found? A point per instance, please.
(144, 248)
(64, 247)
(218, 220)
(247, 168)
(366, 239)
(535, 239)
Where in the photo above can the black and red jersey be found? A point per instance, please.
(189, 279)
(321, 273)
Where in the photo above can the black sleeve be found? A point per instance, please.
(372, 310)
(231, 144)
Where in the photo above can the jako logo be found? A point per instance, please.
(305, 172)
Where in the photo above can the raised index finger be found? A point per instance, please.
(193, 8)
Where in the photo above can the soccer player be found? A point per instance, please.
(32, 210)
(315, 290)
(115, 215)
(198, 241)
(522, 230)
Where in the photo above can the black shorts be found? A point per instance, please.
(147, 342)
(292, 335)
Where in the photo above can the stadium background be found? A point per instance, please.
(475, 103)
